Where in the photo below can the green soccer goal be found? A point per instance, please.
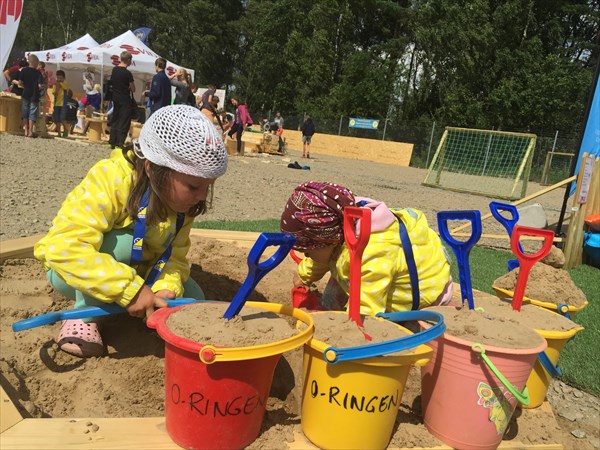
(483, 162)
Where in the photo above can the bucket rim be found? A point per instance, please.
(491, 348)
(505, 293)
(209, 354)
(419, 355)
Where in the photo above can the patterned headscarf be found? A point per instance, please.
(314, 214)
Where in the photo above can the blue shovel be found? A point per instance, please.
(461, 249)
(257, 270)
(508, 223)
(84, 313)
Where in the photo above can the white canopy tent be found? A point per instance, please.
(56, 55)
(102, 58)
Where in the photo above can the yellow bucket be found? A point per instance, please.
(539, 379)
(570, 309)
(354, 404)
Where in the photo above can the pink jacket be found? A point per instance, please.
(243, 116)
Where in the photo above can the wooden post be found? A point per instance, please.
(574, 244)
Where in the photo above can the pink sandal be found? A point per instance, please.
(80, 339)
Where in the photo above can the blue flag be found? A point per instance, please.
(142, 34)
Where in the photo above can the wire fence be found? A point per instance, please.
(425, 136)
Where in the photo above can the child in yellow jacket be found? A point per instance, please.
(314, 214)
(122, 234)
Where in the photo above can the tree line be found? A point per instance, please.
(506, 64)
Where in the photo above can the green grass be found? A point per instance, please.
(269, 225)
(578, 361)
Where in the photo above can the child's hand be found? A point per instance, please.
(145, 302)
(298, 282)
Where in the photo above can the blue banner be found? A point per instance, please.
(369, 124)
(591, 136)
(142, 34)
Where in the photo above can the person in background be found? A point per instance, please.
(89, 80)
(278, 129)
(206, 98)
(59, 114)
(32, 83)
(71, 115)
(160, 91)
(12, 73)
(123, 88)
(391, 275)
(308, 129)
(211, 112)
(183, 88)
(149, 195)
(278, 120)
(242, 120)
(94, 98)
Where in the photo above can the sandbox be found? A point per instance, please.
(53, 400)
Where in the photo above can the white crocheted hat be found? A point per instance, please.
(182, 138)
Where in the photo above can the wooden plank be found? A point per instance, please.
(18, 248)
(576, 223)
(112, 434)
(9, 415)
(523, 200)
(135, 433)
(507, 238)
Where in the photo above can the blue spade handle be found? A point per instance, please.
(461, 248)
(84, 313)
(257, 270)
(334, 355)
(507, 223)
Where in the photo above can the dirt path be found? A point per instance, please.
(35, 176)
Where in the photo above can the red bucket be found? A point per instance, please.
(219, 405)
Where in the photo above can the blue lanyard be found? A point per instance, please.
(139, 232)
(409, 257)
(410, 263)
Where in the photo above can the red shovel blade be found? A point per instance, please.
(356, 246)
(526, 262)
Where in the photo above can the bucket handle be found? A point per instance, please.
(522, 397)
(563, 310)
(553, 371)
(334, 355)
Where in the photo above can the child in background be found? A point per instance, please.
(314, 214)
(122, 234)
(71, 116)
(59, 114)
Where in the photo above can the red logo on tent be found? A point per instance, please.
(48, 56)
(82, 48)
(64, 55)
(89, 56)
(12, 8)
(170, 70)
(115, 60)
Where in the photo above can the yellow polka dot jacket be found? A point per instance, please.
(94, 207)
(385, 281)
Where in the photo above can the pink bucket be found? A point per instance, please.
(465, 404)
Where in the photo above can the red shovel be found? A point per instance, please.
(356, 246)
(302, 297)
(526, 262)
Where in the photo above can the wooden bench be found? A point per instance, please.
(96, 129)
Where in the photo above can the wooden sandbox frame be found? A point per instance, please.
(102, 433)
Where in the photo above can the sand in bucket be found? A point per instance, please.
(547, 287)
(354, 404)
(218, 372)
(465, 404)
(555, 328)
